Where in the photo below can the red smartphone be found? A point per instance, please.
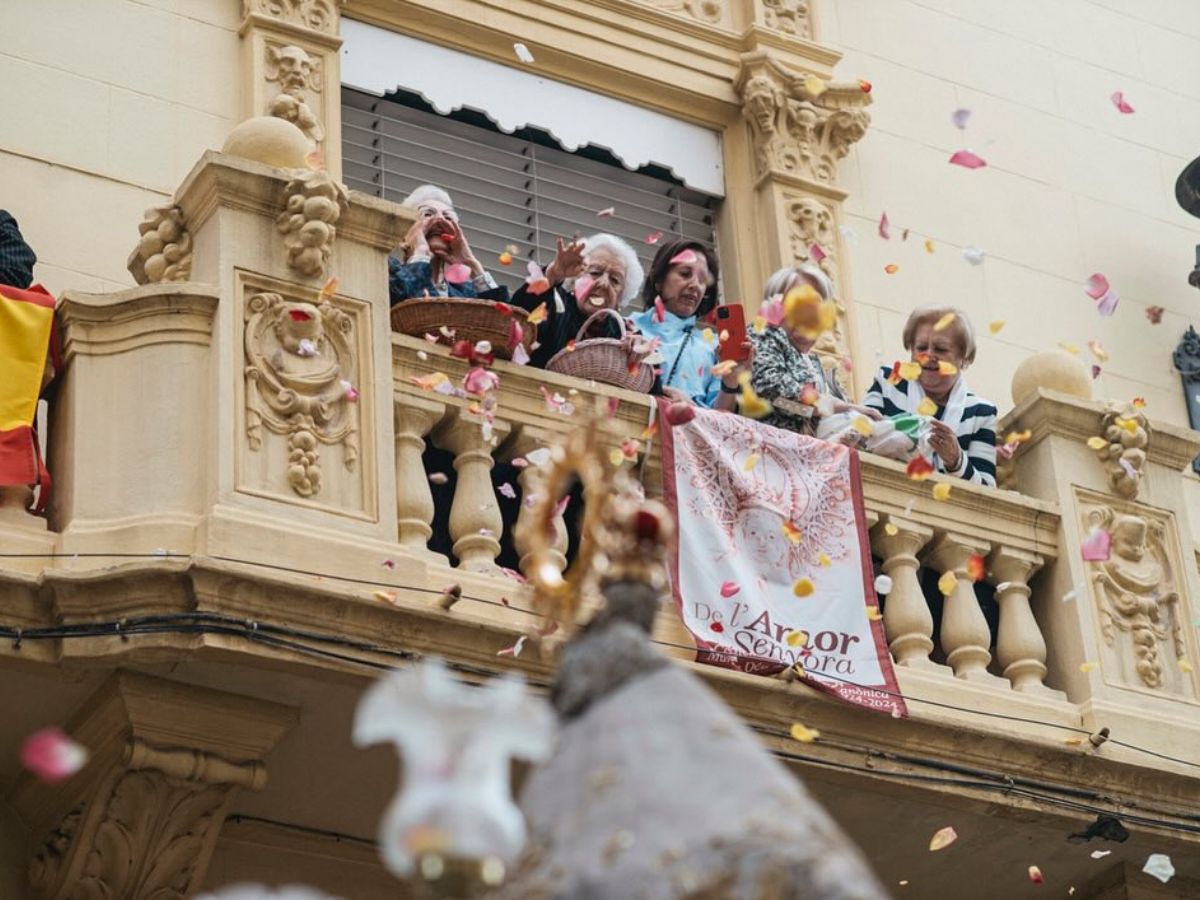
(731, 319)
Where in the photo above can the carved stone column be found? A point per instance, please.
(475, 520)
(414, 501)
(528, 440)
(965, 637)
(801, 127)
(906, 615)
(1020, 647)
(291, 69)
(140, 820)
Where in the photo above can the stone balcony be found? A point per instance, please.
(198, 485)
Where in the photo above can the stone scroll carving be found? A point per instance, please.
(1136, 600)
(1126, 433)
(300, 376)
(711, 11)
(316, 15)
(788, 16)
(795, 132)
(164, 250)
(147, 841)
(296, 73)
(315, 202)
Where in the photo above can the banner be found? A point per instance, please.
(26, 321)
(772, 566)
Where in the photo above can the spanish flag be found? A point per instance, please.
(26, 322)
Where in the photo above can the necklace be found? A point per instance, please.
(687, 336)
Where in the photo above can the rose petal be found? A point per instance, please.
(1154, 314)
(654, 237)
(918, 468)
(973, 255)
(815, 253)
(883, 583)
(1097, 286)
(729, 589)
(942, 838)
(1118, 100)
(803, 734)
(967, 159)
(1035, 875)
(51, 755)
(803, 587)
(959, 118)
(891, 268)
(523, 53)
(947, 583)
(686, 257)
(458, 273)
(885, 227)
(1097, 546)
(1107, 305)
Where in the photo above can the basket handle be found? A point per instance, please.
(602, 312)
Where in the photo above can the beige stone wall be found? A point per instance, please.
(107, 105)
(1072, 186)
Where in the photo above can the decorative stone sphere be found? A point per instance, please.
(269, 140)
(1054, 370)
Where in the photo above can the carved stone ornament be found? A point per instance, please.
(300, 373)
(797, 133)
(317, 15)
(711, 11)
(788, 16)
(1126, 432)
(314, 204)
(1187, 364)
(811, 222)
(1135, 594)
(296, 73)
(164, 251)
(146, 844)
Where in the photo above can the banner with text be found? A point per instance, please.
(778, 566)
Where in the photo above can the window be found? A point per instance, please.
(520, 189)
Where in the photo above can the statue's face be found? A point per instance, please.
(294, 68)
(1129, 538)
(298, 322)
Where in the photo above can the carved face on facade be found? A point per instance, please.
(762, 101)
(813, 219)
(294, 67)
(298, 322)
(1129, 538)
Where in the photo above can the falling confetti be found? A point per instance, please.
(1098, 351)
(996, 326)
(883, 585)
(824, 560)
(654, 237)
(942, 839)
(523, 53)
(926, 407)
(1035, 875)
(1154, 314)
(910, 371)
(1096, 546)
(350, 391)
(928, 245)
(1106, 298)
(862, 425)
(944, 322)
(973, 255)
(967, 159)
(947, 368)
(918, 468)
(717, 627)
(891, 268)
(458, 273)
(52, 756)
(751, 405)
(941, 491)
(814, 86)
(864, 85)
(796, 639)
(804, 735)
(947, 583)
(873, 614)
(1100, 854)
(506, 258)
(538, 316)
(792, 532)
(885, 227)
(977, 568)
(507, 490)
(959, 118)
(1070, 348)
(606, 213)
(1086, 667)
(438, 477)
(385, 596)
(803, 587)
(891, 531)
(1158, 865)
(1118, 100)
(1185, 666)
(816, 253)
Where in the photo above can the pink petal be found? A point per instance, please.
(654, 237)
(52, 756)
(534, 270)
(1096, 546)
(480, 381)
(729, 588)
(562, 506)
(1095, 372)
(350, 391)
(815, 253)
(773, 311)
(1097, 286)
(660, 311)
(967, 159)
(458, 273)
(679, 413)
(516, 334)
(885, 227)
(583, 284)
(507, 490)
(1118, 100)
(959, 118)
(520, 355)
(686, 257)
(1107, 305)
(607, 212)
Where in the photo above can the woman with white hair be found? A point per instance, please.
(587, 275)
(438, 261)
(786, 370)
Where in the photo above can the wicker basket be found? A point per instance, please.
(603, 359)
(471, 320)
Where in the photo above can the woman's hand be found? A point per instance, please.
(733, 378)
(414, 243)
(871, 413)
(460, 251)
(567, 262)
(944, 442)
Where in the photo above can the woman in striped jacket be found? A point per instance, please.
(963, 426)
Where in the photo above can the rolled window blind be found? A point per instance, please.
(512, 190)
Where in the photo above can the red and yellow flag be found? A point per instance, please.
(26, 321)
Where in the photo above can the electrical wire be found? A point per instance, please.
(56, 631)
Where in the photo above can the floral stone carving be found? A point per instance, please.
(1135, 593)
(704, 10)
(789, 16)
(1125, 431)
(296, 73)
(164, 251)
(314, 204)
(317, 15)
(300, 372)
(799, 133)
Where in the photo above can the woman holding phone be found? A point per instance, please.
(680, 289)
(786, 370)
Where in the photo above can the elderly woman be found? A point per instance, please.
(598, 272)
(438, 262)
(680, 289)
(786, 370)
(962, 436)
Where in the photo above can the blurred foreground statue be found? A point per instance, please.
(656, 788)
